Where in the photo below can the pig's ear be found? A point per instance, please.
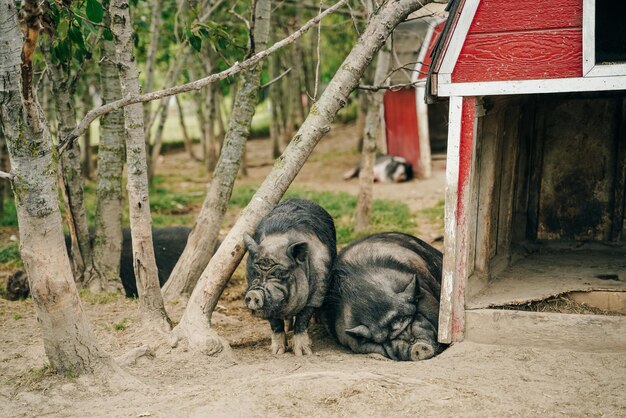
(360, 331)
(409, 290)
(251, 245)
(298, 251)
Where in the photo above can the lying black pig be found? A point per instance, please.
(288, 270)
(387, 169)
(384, 297)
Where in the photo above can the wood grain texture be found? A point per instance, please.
(520, 56)
(510, 16)
(596, 333)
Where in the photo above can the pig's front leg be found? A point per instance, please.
(301, 340)
(279, 339)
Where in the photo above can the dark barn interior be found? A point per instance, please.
(547, 216)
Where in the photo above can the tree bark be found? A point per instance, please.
(150, 299)
(4, 166)
(107, 243)
(68, 340)
(210, 151)
(71, 174)
(368, 154)
(194, 327)
(203, 237)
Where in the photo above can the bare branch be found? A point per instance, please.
(319, 57)
(269, 83)
(5, 175)
(194, 85)
(392, 88)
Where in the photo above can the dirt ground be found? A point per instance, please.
(465, 380)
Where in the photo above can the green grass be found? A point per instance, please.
(9, 216)
(434, 214)
(10, 256)
(387, 215)
(98, 298)
(122, 325)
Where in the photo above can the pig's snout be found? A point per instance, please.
(254, 299)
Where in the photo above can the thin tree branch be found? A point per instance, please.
(5, 175)
(319, 57)
(269, 83)
(194, 85)
(393, 87)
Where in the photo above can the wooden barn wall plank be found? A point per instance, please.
(520, 56)
(618, 229)
(488, 163)
(510, 151)
(401, 128)
(512, 16)
(578, 170)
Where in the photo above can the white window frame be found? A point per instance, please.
(590, 68)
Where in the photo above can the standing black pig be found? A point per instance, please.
(288, 270)
(384, 297)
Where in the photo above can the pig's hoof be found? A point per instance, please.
(422, 350)
(279, 340)
(302, 344)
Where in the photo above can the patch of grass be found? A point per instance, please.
(387, 215)
(17, 317)
(10, 256)
(98, 298)
(122, 325)
(434, 214)
(9, 217)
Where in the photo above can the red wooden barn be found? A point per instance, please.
(411, 126)
(536, 169)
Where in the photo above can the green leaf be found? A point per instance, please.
(107, 34)
(62, 27)
(76, 36)
(95, 11)
(196, 42)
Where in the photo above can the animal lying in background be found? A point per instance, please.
(288, 270)
(387, 169)
(169, 244)
(384, 297)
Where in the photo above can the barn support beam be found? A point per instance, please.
(460, 159)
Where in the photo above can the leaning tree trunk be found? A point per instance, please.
(368, 154)
(71, 174)
(107, 243)
(68, 340)
(203, 237)
(194, 327)
(150, 299)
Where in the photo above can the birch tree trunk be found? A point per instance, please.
(71, 174)
(203, 237)
(368, 154)
(194, 328)
(107, 243)
(68, 340)
(144, 263)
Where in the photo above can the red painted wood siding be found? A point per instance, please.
(401, 125)
(468, 120)
(520, 56)
(425, 66)
(513, 16)
(522, 40)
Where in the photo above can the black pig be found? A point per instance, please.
(288, 269)
(169, 244)
(384, 297)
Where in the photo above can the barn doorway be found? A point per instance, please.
(547, 197)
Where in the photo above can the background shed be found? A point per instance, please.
(536, 168)
(414, 129)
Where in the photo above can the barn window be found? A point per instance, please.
(604, 37)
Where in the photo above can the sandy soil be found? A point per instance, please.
(465, 380)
